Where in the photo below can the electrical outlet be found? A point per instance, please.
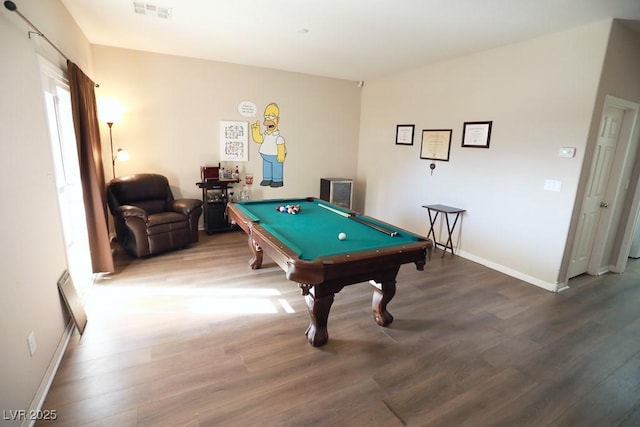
(31, 341)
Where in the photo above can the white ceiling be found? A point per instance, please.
(349, 39)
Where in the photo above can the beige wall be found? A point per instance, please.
(174, 106)
(540, 95)
(32, 250)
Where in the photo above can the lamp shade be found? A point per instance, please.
(110, 110)
(122, 155)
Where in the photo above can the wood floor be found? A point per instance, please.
(196, 338)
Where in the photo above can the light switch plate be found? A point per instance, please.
(552, 185)
(567, 152)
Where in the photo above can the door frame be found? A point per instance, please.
(67, 177)
(629, 203)
(617, 196)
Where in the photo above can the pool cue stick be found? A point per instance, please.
(355, 218)
(344, 214)
(374, 226)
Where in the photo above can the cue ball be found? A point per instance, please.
(342, 236)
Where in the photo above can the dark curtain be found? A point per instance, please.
(85, 121)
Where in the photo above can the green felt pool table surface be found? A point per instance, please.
(313, 232)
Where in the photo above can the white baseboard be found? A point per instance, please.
(47, 380)
(553, 287)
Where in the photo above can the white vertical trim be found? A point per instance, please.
(634, 209)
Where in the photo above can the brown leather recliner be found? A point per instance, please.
(147, 218)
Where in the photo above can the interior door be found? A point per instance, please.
(595, 204)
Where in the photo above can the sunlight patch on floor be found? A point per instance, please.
(286, 306)
(109, 301)
(232, 306)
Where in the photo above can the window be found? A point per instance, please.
(67, 175)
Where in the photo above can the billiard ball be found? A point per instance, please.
(342, 236)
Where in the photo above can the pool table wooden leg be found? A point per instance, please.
(383, 292)
(319, 308)
(256, 260)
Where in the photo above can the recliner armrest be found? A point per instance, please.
(185, 206)
(128, 211)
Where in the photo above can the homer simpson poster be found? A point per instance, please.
(272, 148)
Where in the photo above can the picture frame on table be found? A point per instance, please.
(476, 134)
(404, 134)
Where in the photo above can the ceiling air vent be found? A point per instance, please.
(152, 10)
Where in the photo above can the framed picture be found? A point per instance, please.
(436, 144)
(404, 134)
(234, 141)
(476, 134)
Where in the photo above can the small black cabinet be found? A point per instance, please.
(215, 217)
(215, 195)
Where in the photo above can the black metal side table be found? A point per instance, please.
(446, 210)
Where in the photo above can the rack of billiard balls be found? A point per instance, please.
(289, 209)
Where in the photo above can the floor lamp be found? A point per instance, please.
(113, 158)
(121, 154)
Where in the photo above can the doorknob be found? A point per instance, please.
(604, 205)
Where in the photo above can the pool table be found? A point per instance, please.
(306, 246)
